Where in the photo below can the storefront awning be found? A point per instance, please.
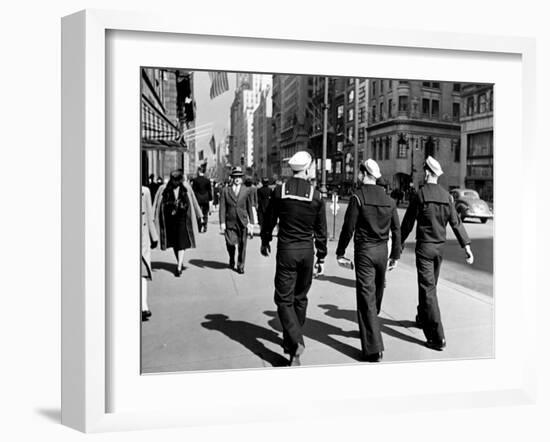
(157, 131)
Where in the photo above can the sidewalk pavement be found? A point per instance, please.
(212, 318)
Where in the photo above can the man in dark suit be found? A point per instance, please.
(203, 192)
(264, 195)
(236, 217)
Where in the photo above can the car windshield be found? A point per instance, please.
(470, 194)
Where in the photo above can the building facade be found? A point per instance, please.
(293, 116)
(409, 120)
(477, 139)
(262, 135)
(346, 127)
(168, 111)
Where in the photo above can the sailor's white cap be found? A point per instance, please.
(432, 164)
(300, 161)
(371, 167)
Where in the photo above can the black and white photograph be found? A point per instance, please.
(303, 220)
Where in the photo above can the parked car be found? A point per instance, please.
(469, 205)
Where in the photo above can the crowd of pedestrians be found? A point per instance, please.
(180, 211)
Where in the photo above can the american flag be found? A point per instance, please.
(219, 85)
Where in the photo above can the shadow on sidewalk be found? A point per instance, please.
(161, 265)
(351, 315)
(248, 335)
(322, 332)
(337, 280)
(203, 263)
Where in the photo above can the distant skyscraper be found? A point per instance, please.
(250, 88)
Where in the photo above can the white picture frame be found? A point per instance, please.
(86, 356)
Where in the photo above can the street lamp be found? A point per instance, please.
(325, 127)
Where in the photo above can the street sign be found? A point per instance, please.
(334, 206)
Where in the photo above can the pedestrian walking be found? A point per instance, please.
(149, 240)
(432, 208)
(264, 195)
(203, 191)
(236, 218)
(300, 210)
(153, 186)
(371, 214)
(254, 197)
(177, 215)
(216, 195)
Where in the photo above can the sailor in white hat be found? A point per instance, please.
(432, 208)
(371, 215)
(433, 166)
(300, 211)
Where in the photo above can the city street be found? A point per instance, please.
(477, 277)
(213, 318)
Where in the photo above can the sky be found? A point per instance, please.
(214, 111)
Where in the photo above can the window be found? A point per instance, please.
(350, 114)
(340, 146)
(470, 106)
(374, 113)
(361, 135)
(390, 85)
(425, 106)
(373, 88)
(401, 150)
(340, 111)
(201, 155)
(456, 87)
(373, 150)
(435, 108)
(390, 108)
(387, 153)
(380, 150)
(362, 115)
(403, 82)
(403, 103)
(482, 103)
(351, 96)
(349, 134)
(429, 147)
(457, 152)
(480, 144)
(382, 110)
(381, 86)
(456, 110)
(433, 85)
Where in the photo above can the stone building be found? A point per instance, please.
(409, 120)
(477, 138)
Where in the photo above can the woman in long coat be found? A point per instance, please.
(149, 240)
(177, 216)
